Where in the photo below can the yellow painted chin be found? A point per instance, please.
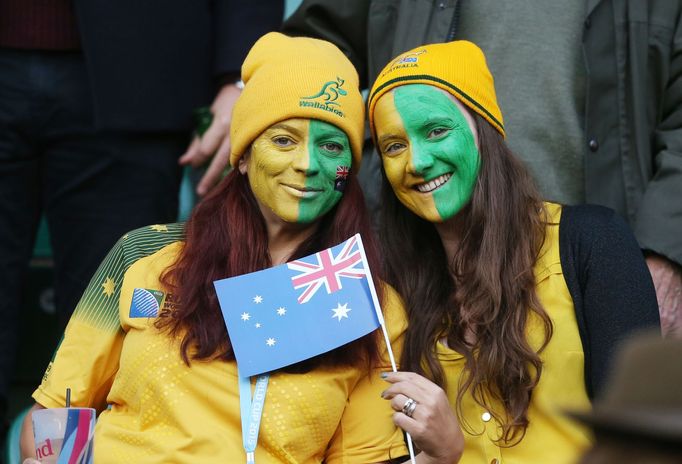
(398, 167)
(421, 204)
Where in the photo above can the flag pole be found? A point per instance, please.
(380, 317)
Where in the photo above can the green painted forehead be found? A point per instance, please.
(429, 100)
(322, 128)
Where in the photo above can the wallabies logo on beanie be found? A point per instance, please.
(326, 98)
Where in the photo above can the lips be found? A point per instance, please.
(433, 184)
(301, 192)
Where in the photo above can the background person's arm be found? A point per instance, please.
(342, 23)
(658, 222)
(237, 26)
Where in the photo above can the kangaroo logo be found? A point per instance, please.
(326, 99)
(330, 92)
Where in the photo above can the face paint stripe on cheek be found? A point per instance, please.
(303, 160)
(400, 168)
(322, 177)
(444, 150)
(304, 164)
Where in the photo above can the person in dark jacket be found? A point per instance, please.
(96, 102)
(595, 89)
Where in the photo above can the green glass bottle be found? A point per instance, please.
(202, 120)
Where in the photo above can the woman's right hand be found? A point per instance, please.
(433, 424)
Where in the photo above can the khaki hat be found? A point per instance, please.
(643, 397)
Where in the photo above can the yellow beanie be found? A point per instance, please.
(457, 67)
(287, 77)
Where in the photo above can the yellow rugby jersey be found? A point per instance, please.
(551, 437)
(155, 409)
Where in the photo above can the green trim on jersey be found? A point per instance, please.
(99, 305)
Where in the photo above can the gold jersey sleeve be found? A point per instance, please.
(87, 358)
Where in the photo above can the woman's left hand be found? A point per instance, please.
(432, 423)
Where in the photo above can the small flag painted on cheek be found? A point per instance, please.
(341, 176)
(298, 310)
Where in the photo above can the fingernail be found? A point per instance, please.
(384, 375)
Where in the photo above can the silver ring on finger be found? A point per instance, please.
(409, 407)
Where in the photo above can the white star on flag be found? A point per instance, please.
(281, 311)
(257, 299)
(246, 316)
(258, 325)
(270, 342)
(341, 311)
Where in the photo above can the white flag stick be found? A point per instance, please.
(380, 317)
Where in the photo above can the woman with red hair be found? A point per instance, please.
(167, 385)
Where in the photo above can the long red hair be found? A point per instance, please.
(225, 237)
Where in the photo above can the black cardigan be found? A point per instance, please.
(609, 282)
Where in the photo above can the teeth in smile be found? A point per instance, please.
(432, 185)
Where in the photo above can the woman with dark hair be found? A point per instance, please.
(165, 381)
(514, 304)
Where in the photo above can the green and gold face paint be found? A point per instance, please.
(427, 142)
(297, 169)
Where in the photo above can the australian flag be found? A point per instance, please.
(294, 311)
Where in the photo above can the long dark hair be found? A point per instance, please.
(226, 236)
(485, 294)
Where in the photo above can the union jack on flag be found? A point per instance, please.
(327, 269)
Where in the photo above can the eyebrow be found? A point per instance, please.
(438, 120)
(330, 132)
(386, 137)
(284, 126)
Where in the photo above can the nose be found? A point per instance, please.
(304, 162)
(421, 160)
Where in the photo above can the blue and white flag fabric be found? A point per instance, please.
(295, 311)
